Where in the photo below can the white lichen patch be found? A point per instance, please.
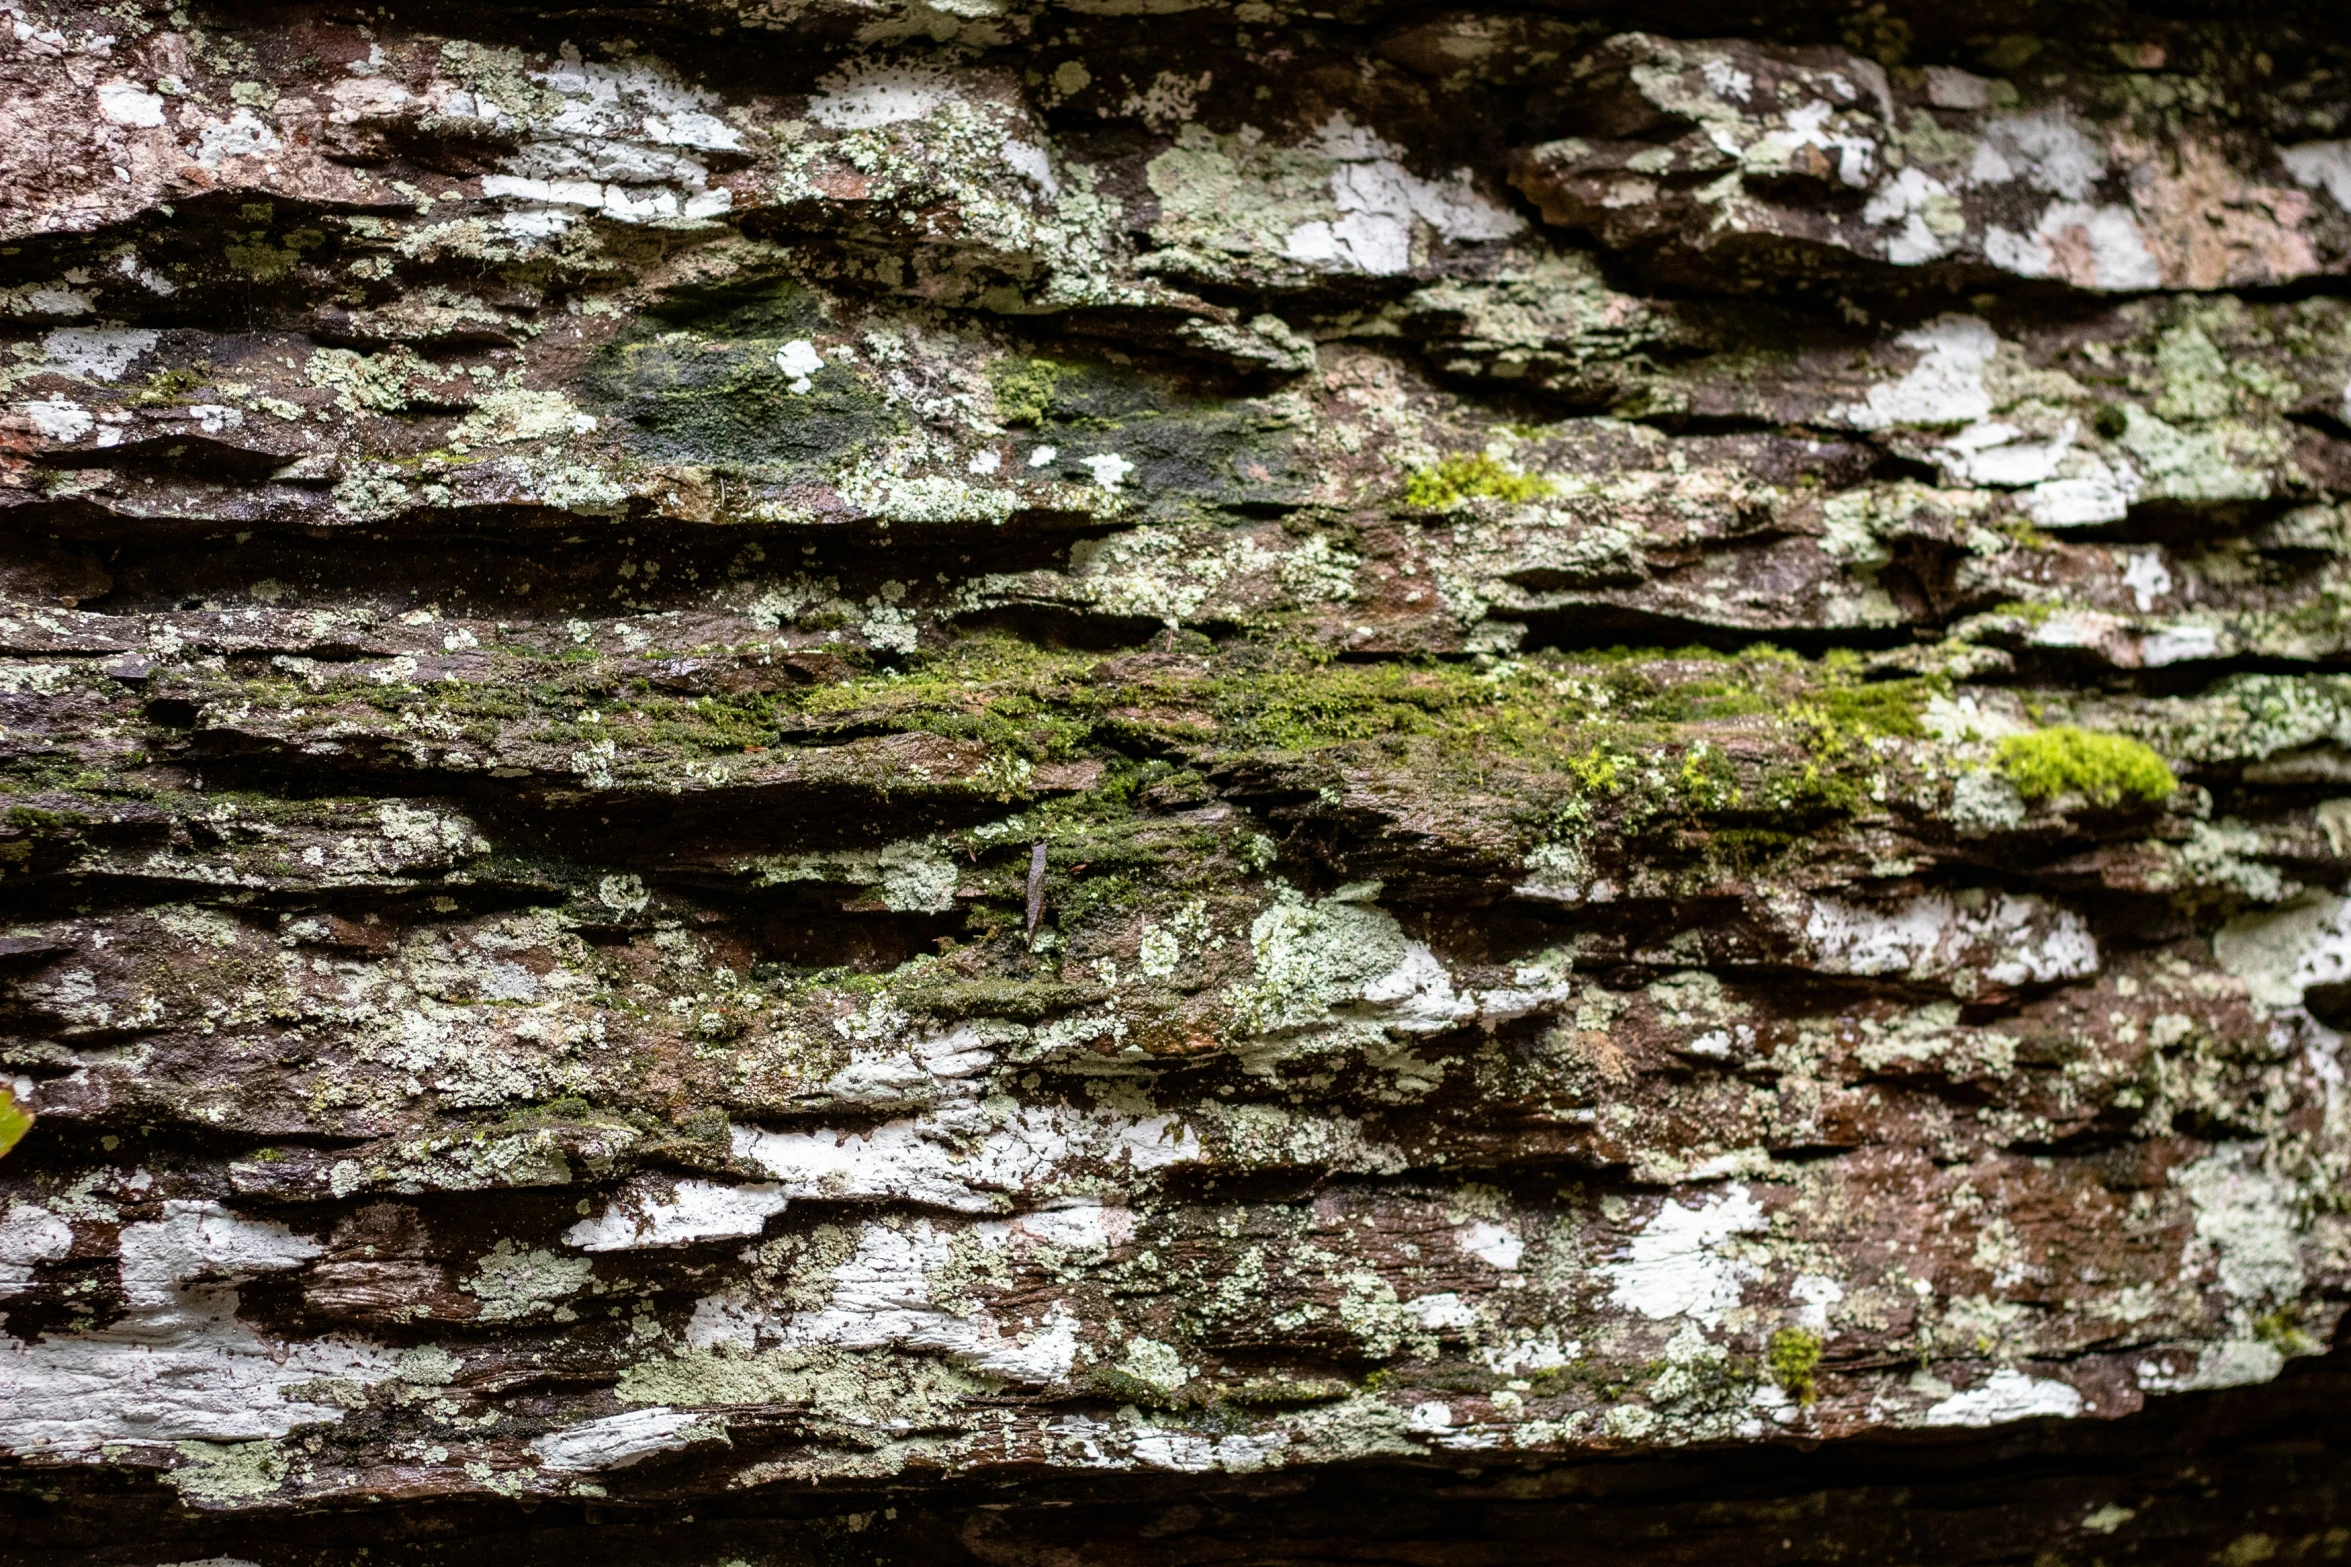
(94, 353)
(678, 1213)
(2282, 953)
(178, 1366)
(29, 1235)
(1085, 1442)
(1683, 1261)
(968, 1156)
(127, 103)
(912, 1071)
(627, 139)
(1341, 203)
(885, 1295)
(863, 97)
(1339, 973)
(2247, 1223)
(59, 419)
(2321, 165)
(1957, 939)
(617, 1441)
(1494, 1245)
(2230, 1363)
(2008, 1394)
(1945, 386)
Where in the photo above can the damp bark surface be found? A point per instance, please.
(977, 781)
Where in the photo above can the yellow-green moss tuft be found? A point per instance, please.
(1444, 485)
(1794, 1362)
(2104, 769)
(1024, 388)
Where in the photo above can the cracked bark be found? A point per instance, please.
(1679, 680)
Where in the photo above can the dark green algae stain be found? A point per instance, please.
(1193, 450)
(701, 381)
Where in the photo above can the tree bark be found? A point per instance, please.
(980, 782)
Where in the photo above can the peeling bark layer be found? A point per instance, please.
(981, 782)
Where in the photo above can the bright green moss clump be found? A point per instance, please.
(2104, 769)
(1794, 1362)
(1444, 485)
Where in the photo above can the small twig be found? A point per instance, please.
(1036, 885)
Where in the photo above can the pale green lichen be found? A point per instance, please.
(911, 876)
(2230, 461)
(1155, 1365)
(226, 1473)
(520, 414)
(859, 1388)
(1313, 955)
(371, 383)
(513, 1283)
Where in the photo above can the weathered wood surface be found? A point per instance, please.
(1684, 681)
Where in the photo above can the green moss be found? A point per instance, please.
(1707, 781)
(1008, 694)
(1311, 705)
(1276, 1392)
(175, 385)
(1027, 1001)
(1794, 1362)
(2106, 770)
(2282, 1331)
(256, 259)
(1743, 850)
(1885, 707)
(1444, 485)
(2033, 612)
(1837, 719)
(1024, 388)
(1665, 737)
(1601, 770)
(1763, 745)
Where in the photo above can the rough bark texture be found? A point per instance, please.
(1153, 781)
